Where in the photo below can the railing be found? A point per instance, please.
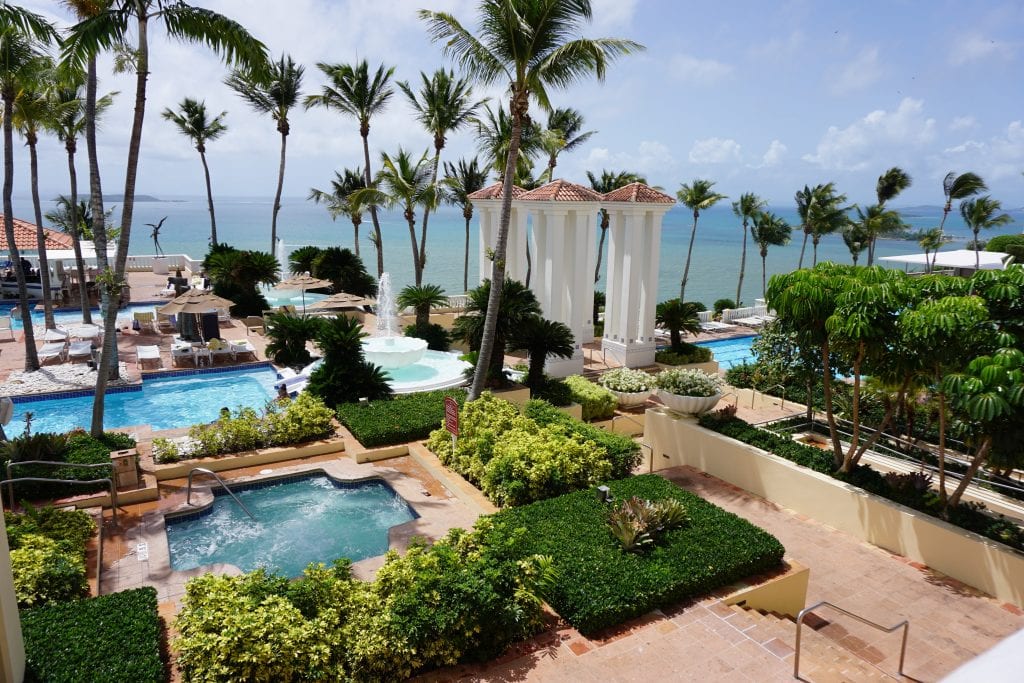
(458, 302)
(905, 625)
(109, 480)
(764, 392)
(705, 316)
(730, 314)
(203, 470)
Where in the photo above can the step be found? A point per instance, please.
(822, 661)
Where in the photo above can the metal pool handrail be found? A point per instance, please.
(905, 625)
(203, 470)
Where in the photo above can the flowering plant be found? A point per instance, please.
(626, 380)
(688, 382)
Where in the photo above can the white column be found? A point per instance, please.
(485, 214)
(649, 285)
(632, 285)
(538, 275)
(635, 257)
(12, 647)
(554, 266)
(591, 246)
(613, 285)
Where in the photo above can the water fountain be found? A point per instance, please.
(386, 349)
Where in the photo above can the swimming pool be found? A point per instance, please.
(301, 519)
(71, 317)
(178, 399)
(730, 352)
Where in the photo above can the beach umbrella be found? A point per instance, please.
(342, 300)
(196, 302)
(302, 283)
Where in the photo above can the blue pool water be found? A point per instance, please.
(163, 402)
(71, 317)
(730, 352)
(300, 520)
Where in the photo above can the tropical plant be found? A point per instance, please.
(821, 213)
(345, 376)
(532, 47)
(341, 201)
(236, 276)
(678, 318)
(931, 242)
(958, 187)
(685, 382)
(721, 305)
(697, 196)
(287, 338)
(981, 214)
(638, 524)
(768, 230)
(301, 260)
(345, 270)
(890, 184)
(460, 181)
(422, 298)
(1008, 244)
(871, 224)
(541, 339)
(566, 124)
(516, 303)
(748, 206)
(192, 122)
(494, 135)
(626, 380)
(609, 180)
(856, 239)
(272, 89)
(354, 92)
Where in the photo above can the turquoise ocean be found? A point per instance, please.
(244, 222)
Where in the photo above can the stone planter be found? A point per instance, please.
(160, 265)
(691, 405)
(631, 399)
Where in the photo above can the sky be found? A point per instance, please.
(761, 97)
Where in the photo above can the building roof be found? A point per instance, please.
(956, 258)
(494, 192)
(25, 237)
(638, 193)
(561, 191)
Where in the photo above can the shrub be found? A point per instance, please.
(554, 391)
(598, 403)
(73, 528)
(77, 447)
(1008, 244)
(688, 382)
(722, 304)
(627, 380)
(687, 354)
(409, 417)
(437, 337)
(44, 572)
(600, 585)
(623, 453)
(109, 639)
(345, 376)
(638, 524)
(741, 375)
(288, 336)
(166, 451)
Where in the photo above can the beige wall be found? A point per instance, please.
(973, 559)
(12, 649)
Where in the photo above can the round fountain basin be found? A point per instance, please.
(394, 352)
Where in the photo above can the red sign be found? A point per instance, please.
(451, 415)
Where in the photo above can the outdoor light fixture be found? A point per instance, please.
(604, 494)
(363, 401)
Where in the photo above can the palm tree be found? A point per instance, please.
(609, 180)
(980, 214)
(287, 336)
(517, 303)
(873, 223)
(768, 230)
(405, 183)
(856, 239)
(345, 270)
(21, 34)
(462, 180)
(890, 184)
(931, 242)
(107, 29)
(354, 92)
(959, 187)
(678, 317)
(444, 105)
(494, 135)
(422, 298)
(697, 197)
(272, 90)
(820, 214)
(745, 209)
(340, 201)
(568, 124)
(192, 122)
(541, 338)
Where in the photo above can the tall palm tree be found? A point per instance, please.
(340, 200)
(406, 183)
(698, 197)
(107, 28)
(531, 46)
(609, 180)
(193, 122)
(856, 239)
(871, 224)
(68, 122)
(768, 230)
(22, 34)
(462, 180)
(272, 90)
(748, 206)
(353, 91)
(821, 213)
(494, 135)
(931, 242)
(890, 185)
(444, 105)
(568, 123)
(981, 214)
(960, 186)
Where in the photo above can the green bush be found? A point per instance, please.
(598, 403)
(74, 447)
(685, 355)
(1008, 244)
(722, 304)
(437, 337)
(408, 417)
(46, 571)
(73, 528)
(623, 453)
(554, 391)
(109, 639)
(601, 584)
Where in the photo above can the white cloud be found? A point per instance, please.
(650, 158)
(612, 14)
(962, 123)
(1001, 156)
(974, 47)
(874, 137)
(696, 71)
(714, 151)
(774, 155)
(862, 72)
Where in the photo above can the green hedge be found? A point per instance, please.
(600, 585)
(48, 554)
(623, 453)
(109, 639)
(408, 417)
(79, 448)
(685, 355)
(598, 403)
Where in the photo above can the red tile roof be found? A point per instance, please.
(639, 193)
(25, 237)
(561, 191)
(494, 192)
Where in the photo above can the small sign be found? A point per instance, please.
(451, 415)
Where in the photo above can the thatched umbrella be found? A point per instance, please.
(342, 300)
(196, 302)
(302, 283)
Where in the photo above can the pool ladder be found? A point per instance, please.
(203, 470)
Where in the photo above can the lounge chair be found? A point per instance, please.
(57, 334)
(145, 353)
(168, 291)
(51, 350)
(6, 326)
(182, 353)
(715, 326)
(223, 316)
(80, 350)
(242, 346)
(752, 321)
(146, 320)
(219, 348)
(165, 322)
(255, 323)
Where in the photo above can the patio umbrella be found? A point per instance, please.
(302, 283)
(342, 300)
(196, 302)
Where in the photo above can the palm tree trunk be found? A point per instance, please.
(44, 265)
(600, 246)
(76, 236)
(976, 462)
(764, 273)
(99, 219)
(277, 196)
(373, 209)
(529, 261)
(465, 260)
(814, 241)
(209, 200)
(426, 211)
(518, 106)
(803, 248)
(871, 252)
(31, 357)
(743, 265)
(355, 233)
(826, 383)
(689, 254)
(977, 253)
(410, 217)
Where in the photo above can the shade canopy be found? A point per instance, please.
(195, 301)
(342, 300)
(302, 282)
(956, 258)
(25, 237)
(88, 252)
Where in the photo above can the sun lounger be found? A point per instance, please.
(165, 322)
(80, 350)
(255, 323)
(715, 326)
(146, 320)
(241, 347)
(147, 353)
(180, 353)
(223, 316)
(6, 326)
(168, 291)
(752, 321)
(51, 350)
(285, 373)
(219, 348)
(57, 334)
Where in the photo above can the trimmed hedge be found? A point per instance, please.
(81, 448)
(598, 403)
(623, 453)
(600, 584)
(408, 417)
(685, 355)
(48, 554)
(109, 639)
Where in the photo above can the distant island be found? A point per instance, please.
(138, 198)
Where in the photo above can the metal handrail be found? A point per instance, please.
(108, 482)
(905, 625)
(11, 465)
(203, 470)
(764, 392)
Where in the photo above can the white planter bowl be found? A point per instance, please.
(691, 405)
(630, 399)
